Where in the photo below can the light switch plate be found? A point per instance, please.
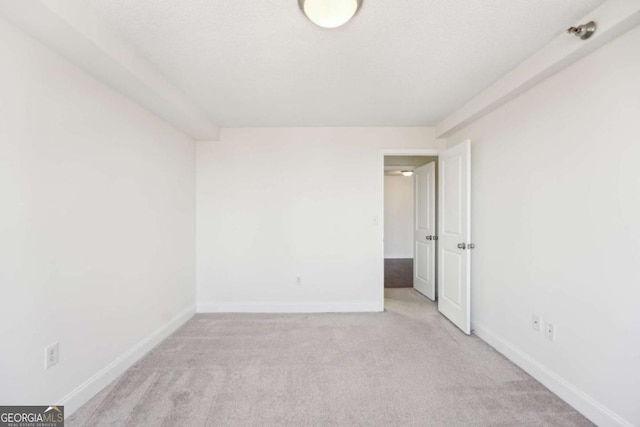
(51, 355)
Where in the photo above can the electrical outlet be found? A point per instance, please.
(535, 322)
(550, 331)
(299, 281)
(51, 355)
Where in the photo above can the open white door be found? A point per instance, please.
(454, 204)
(424, 253)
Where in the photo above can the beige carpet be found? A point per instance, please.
(407, 366)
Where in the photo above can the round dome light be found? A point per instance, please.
(329, 13)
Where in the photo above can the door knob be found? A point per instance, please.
(462, 246)
(429, 237)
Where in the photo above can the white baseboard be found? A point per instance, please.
(303, 307)
(88, 389)
(583, 403)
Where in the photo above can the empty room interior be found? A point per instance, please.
(320, 213)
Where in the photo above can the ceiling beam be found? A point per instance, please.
(72, 29)
(613, 18)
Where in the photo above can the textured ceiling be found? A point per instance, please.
(398, 63)
(408, 160)
(394, 165)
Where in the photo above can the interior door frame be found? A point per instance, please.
(387, 153)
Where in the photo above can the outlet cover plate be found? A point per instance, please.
(550, 331)
(535, 322)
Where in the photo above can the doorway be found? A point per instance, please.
(430, 232)
(410, 213)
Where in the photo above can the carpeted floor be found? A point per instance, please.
(407, 366)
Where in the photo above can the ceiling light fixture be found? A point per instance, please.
(329, 13)
(407, 173)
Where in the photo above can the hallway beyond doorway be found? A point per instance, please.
(398, 272)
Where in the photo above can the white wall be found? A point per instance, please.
(275, 204)
(556, 208)
(398, 217)
(97, 224)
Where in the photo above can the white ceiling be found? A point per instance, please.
(398, 63)
(394, 165)
(413, 161)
